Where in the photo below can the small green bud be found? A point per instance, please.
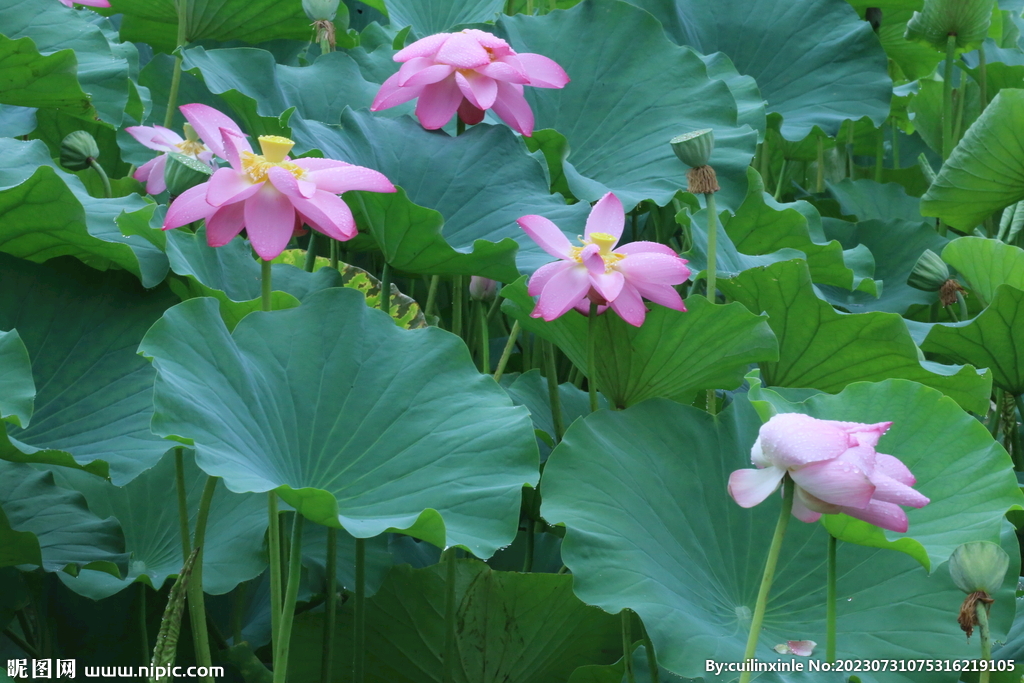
(694, 149)
(77, 150)
(183, 173)
(979, 566)
(320, 10)
(930, 272)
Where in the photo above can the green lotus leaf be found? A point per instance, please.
(729, 262)
(986, 264)
(48, 526)
(653, 529)
(967, 20)
(46, 212)
(823, 349)
(356, 423)
(147, 512)
(915, 61)
(985, 172)
(530, 389)
(94, 394)
(868, 200)
(672, 355)
(509, 627)
(15, 121)
(378, 559)
(926, 108)
(17, 388)
(816, 62)
(994, 340)
(663, 90)
(427, 17)
(33, 80)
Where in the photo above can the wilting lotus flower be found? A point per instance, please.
(166, 140)
(834, 467)
(270, 194)
(599, 272)
(468, 72)
(89, 3)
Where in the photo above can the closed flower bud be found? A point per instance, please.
(183, 173)
(929, 273)
(694, 149)
(77, 150)
(979, 566)
(320, 10)
(482, 289)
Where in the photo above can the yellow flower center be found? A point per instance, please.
(191, 144)
(275, 153)
(604, 243)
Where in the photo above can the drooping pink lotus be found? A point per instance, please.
(89, 3)
(468, 72)
(599, 272)
(270, 194)
(834, 467)
(166, 140)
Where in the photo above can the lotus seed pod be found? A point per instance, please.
(930, 272)
(77, 150)
(979, 566)
(183, 173)
(694, 149)
(320, 10)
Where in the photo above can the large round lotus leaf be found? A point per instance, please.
(994, 339)
(480, 182)
(356, 423)
(986, 264)
(427, 17)
(653, 529)
(48, 80)
(45, 525)
(966, 20)
(816, 62)
(985, 172)
(824, 349)
(147, 511)
(17, 388)
(46, 212)
(94, 394)
(629, 71)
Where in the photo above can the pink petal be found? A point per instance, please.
(507, 69)
(423, 75)
(894, 467)
(543, 72)
(208, 122)
(863, 434)
(512, 108)
(155, 137)
(750, 487)
(654, 269)
(269, 221)
(584, 307)
(547, 235)
(425, 47)
(793, 439)
(225, 224)
(607, 217)
(233, 146)
(801, 648)
(227, 186)
(89, 3)
(438, 103)
(629, 305)
(541, 276)
(328, 214)
(347, 178)
(664, 295)
(462, 51)
(497, 45)
(391, 94)
(289, 184)
(886, 515)
(479, 90)
(889, 490)
(608, 285)
(563, 291)
(803, 513)
(157, 179)
(646, 248)
(188, 207)
(470, 114)
(841, 481)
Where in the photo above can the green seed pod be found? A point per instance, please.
(694, 149)
(183, 173)
(77, 150)
(930, 272)
(966, 20)
(979, 566)
(320, 10)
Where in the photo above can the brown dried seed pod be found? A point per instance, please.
(702, 180)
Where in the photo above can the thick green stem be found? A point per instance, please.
(556, 404)
(627, 645)
(830, 607)
(982, 77)
(282, 646)
(782, 179)
(765, 168)
(385, 288)
(196, 602)
(179, 472)
(652, 659)
(961, 304)
(143, 628)
(274, 560)
(592, 356)
(265, 277)
(448, 674)
(107, 191)
(457, 296)
(238, 609)
(360, 613)
(506, 353)
(981, 609)
(327, 655)
(769, 574)
(819, 180)
(1015, 441)
(895, 145)
(485, 339)
(335, 248)
(311, 252)
(879, 153)
(851, 167)
(709, 198)
(530, 545)
(181, 6)
(960, 94)
(947, 98)
(428, 308)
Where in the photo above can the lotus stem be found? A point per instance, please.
(360, 612)
(652, 659)
(782, 179)
(181, 7)
(895, 145)
(449, 617)
(143, 629)
(712, 279)
(179, 476)
(274, 560)
(879, 153)
(819, 181)
(310, 262)
(850, 166)
(982, 77)
(530, 547)
(627, 646)
(238, 607)
(506, 353)
(984, 636)
(283, 645)
(947, 99)
(556, 404)
(485, 339)
(196, 601)
(385, 288)
(265, 281)
(591, 356)
(107, 191)
(961, 304)
(327, 656)
(457, 305)
(830, 600)
(428, 309)
(960, 95)
(769, 574)
(335, 248)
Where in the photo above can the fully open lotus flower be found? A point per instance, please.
(468, 72)
(834, 467)
(270, 194)
(598, 272)
(88, 3)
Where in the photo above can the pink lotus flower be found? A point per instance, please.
(468, 72)
(166, 140)
(89, 3)
(482, 288)
(269, 194)
(800, 648)
(599, 272)
(834, 467)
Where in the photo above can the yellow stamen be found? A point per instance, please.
(604, 243)
(275, 148)
(257, 166)
(191, 147)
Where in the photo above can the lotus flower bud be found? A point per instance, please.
(77, 150)
(183, 173)
(694, 149)
(929, 273)
(320, 10)
(482, 289)
(979, 566)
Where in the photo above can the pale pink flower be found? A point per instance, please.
(598, 272)
(468, 72)
(482, 288)
(800, 648)
(270, 194)
(89, 3)
(166, 140)
(834, 467)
